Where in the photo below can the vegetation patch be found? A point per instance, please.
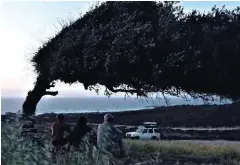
(18, 149)
(183, 151)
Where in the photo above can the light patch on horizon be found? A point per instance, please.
(26, 25)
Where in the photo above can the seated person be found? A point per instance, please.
(109, 138)
(79, 131)
(58, 129)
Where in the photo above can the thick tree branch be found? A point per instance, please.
(52, 85)
(51, 93)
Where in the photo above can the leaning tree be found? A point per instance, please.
(141, 48)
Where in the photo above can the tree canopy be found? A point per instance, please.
(145, 47)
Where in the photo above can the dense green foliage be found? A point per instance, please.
(145, 47)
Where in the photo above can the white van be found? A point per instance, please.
(148, 131)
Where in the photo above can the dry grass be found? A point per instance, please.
(182, 150)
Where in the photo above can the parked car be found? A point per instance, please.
(147, 131)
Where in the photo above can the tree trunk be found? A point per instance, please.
(34, 96)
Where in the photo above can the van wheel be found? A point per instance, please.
(154, 138)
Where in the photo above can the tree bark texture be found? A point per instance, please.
(34, 96)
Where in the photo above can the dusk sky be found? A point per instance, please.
(25, 25)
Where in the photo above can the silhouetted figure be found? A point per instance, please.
(58, 129)
(79, 131)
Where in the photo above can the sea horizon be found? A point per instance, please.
(93, 104)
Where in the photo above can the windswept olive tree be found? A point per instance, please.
(141, 48)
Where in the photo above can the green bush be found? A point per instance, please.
(20, 150)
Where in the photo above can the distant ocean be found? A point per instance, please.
(94, 104)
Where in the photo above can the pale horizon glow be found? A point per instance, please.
(25, 25)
